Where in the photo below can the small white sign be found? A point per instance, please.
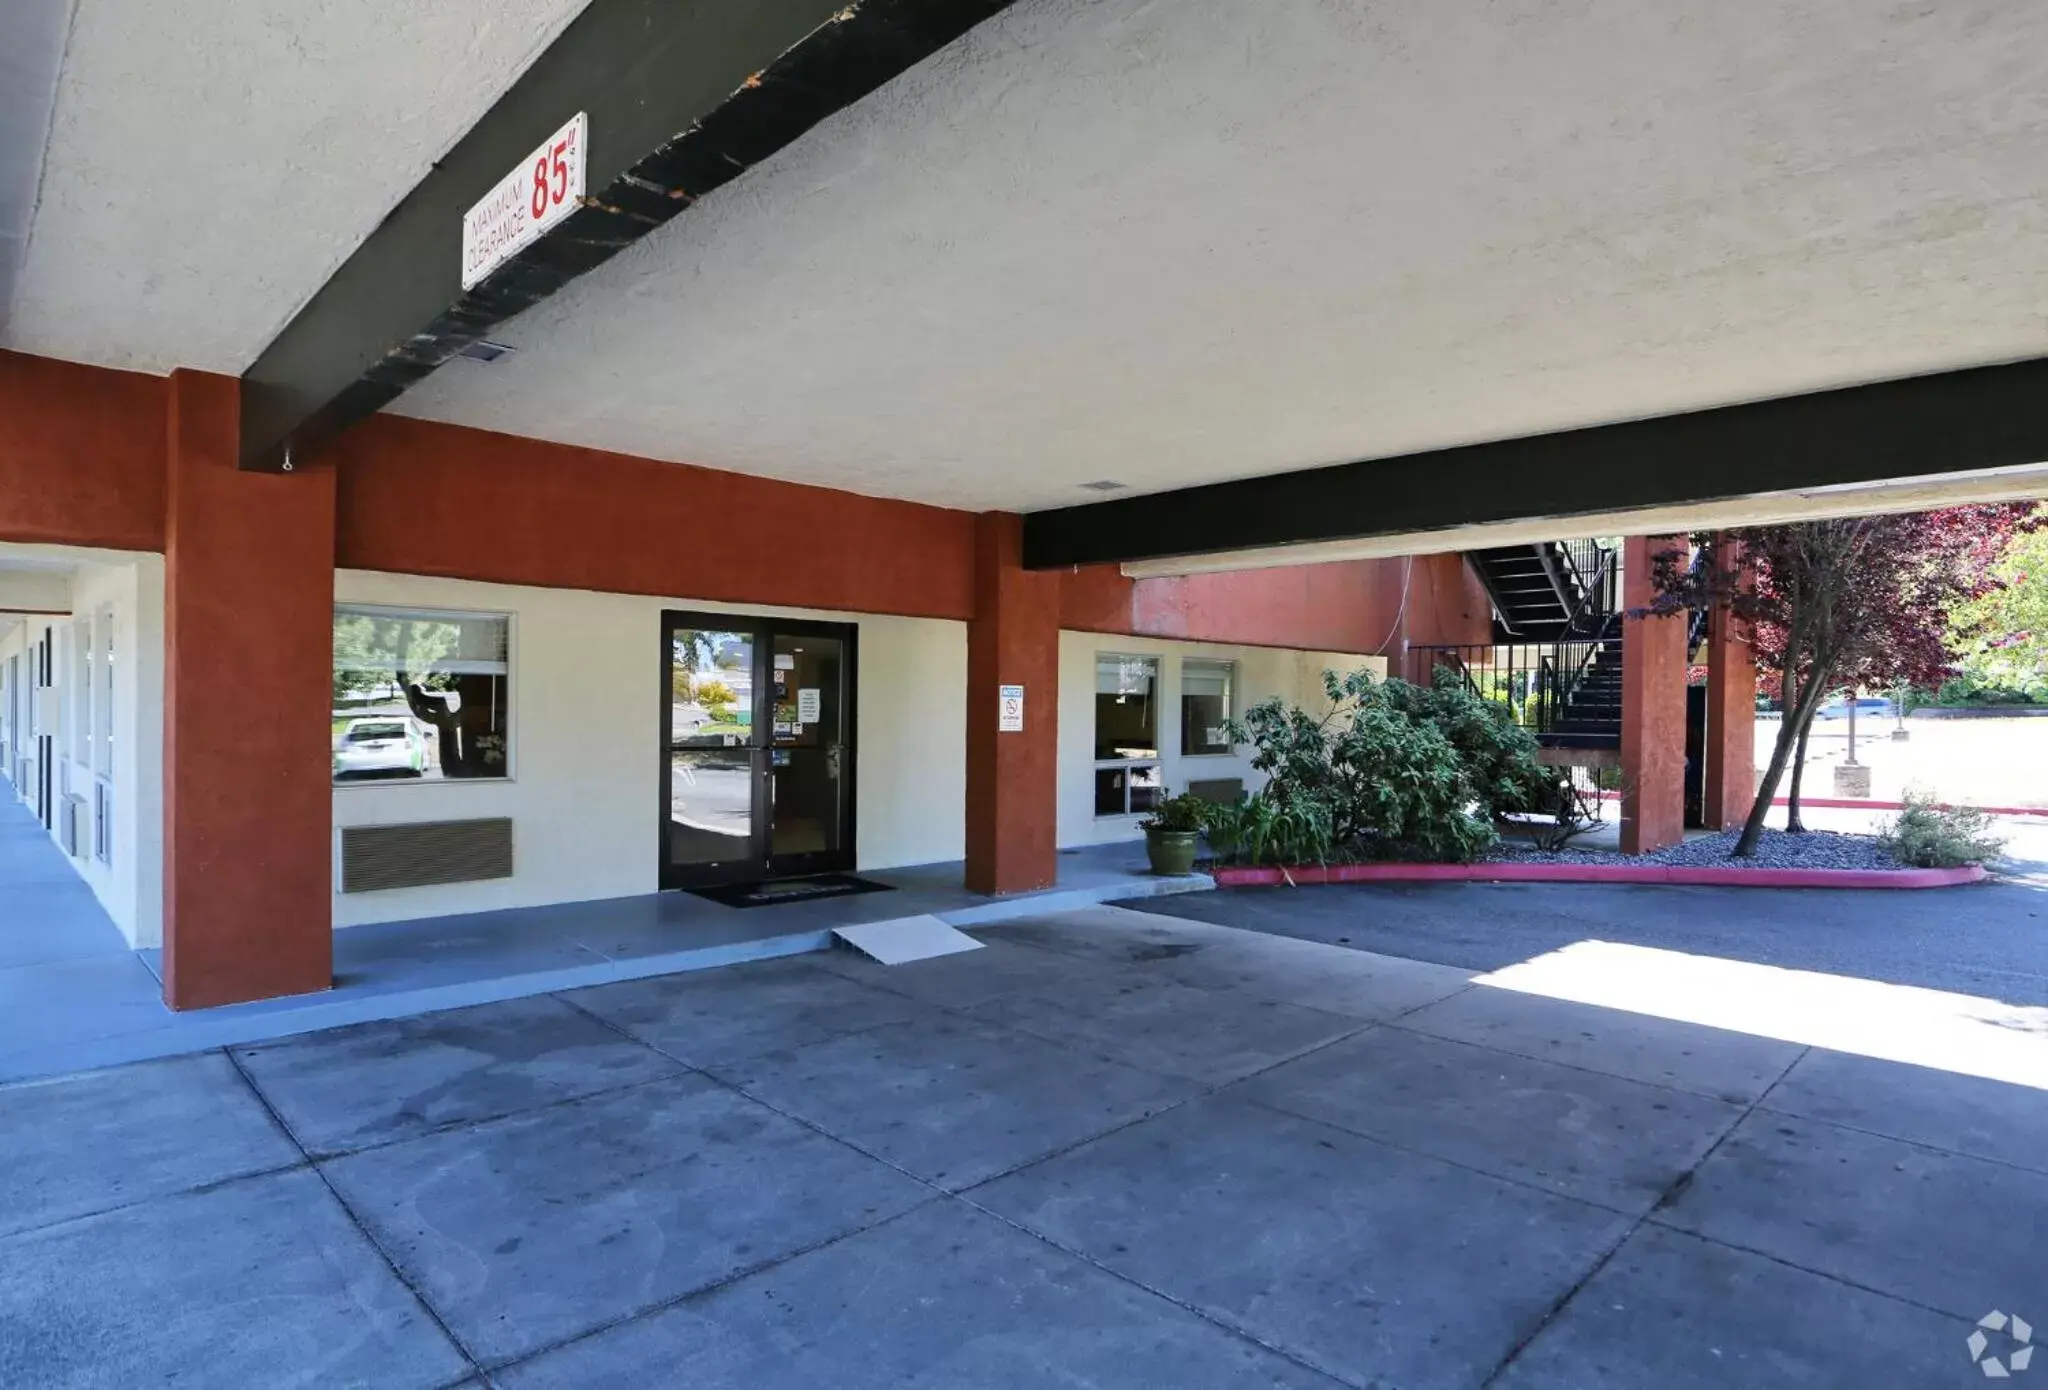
(807, 704)
(542, 191)
(1011, 721)
(785, 661)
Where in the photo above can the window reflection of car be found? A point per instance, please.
(380, 748)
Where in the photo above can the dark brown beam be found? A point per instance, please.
(1926, 426)
(683, 96)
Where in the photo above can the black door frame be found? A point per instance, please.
(759, 863)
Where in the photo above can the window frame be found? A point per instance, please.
(1158, 760)
(1230, 748)
(439, 614)
(104, 697)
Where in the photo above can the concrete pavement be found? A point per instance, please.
(1112, 1149)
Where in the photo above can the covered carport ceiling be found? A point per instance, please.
(1170, 244)
(210, 163)
(1121, 242)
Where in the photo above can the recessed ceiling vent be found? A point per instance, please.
(1104, 485)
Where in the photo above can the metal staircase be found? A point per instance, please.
(1556, 655)
(1549, 591)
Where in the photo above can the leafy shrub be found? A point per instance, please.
(1368, 779)
(1266, 830)
(1498, 754)
(1928, 836)
(1182, 813)
(1968, 692)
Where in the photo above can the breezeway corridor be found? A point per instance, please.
(1111, 1149)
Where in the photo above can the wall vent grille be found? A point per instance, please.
(423, 853)
(1222, 790)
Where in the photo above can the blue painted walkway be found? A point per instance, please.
(67, 976)
(73, 997)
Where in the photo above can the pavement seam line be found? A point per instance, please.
(196, 1189)
(1901, 1139)
(356, 1220)
(1672, 1190)
(1723, 1097)
(1207, 1091)
(1227, 1327)
(699, 1291)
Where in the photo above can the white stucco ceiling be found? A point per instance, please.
(32, 34)
(210, 163)
(1162, 243)
(1172, 243)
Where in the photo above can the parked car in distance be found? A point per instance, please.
(1868, 707)
(383, 747)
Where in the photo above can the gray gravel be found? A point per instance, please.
(1814, 849)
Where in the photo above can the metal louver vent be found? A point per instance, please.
(1223, 790)
(423, 853)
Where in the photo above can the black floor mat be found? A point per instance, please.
(791, 890)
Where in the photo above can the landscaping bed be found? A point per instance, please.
(1815, 859)
(1778, 849)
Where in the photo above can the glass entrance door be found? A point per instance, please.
(757, 721)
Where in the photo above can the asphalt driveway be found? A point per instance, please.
(1111, 1149)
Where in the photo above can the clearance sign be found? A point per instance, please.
(543, 190)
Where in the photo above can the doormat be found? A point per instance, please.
(791, 890)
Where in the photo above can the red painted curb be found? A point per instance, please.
(1701, 875)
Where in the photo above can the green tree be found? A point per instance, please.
(2002, 636)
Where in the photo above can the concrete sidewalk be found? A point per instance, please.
(1112, 1149)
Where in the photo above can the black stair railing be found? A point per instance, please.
(1546, 685)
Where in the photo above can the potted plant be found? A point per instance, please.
(1171, 831)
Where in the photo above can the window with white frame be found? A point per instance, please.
(103, 693)
(83, 687)
(421, 695)
(102, 674)
(1127, 773)
(1207, 689)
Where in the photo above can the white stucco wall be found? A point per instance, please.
(586, 756)
(1261, 674)
(130, 589)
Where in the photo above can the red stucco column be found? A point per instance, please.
(1653, 658)
(1012, 777)
(1730, 788)
(248, 672)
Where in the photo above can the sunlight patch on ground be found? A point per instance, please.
(1958, 1033)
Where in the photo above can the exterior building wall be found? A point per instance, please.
(1261, 673)
(126, 591)
(81, 455)
(583, 550)
(421, 498)
(585, 791)
(1376, 606)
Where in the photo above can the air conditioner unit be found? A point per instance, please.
(74, 825)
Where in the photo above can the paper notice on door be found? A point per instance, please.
(785, 661)
(807, 704)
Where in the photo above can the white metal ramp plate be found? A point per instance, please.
(906, 939)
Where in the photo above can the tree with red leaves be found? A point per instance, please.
(1856, 602)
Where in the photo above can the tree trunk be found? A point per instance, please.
(1760, 809)
(1792, 822)
(1791, 734)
